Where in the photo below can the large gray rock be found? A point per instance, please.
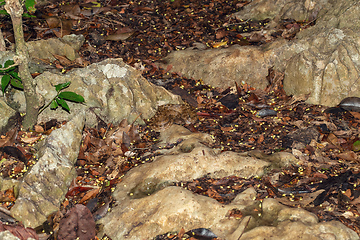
(286, 9)
(147, 204)
(46, 49)
(223, 67)
(165, 211)
(113, 90)
(328, 65)
(45, 185)
(322, 61)
(277, 221)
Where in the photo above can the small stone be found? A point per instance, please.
(351, 104)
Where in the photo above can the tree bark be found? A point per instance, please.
(2, 42)
(14, 8)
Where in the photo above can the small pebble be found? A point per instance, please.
(351, 104)
(266, 112)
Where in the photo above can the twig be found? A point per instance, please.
(4, 69)
(244, 228)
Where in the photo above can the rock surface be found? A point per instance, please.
(8, 117)
(113, 90)
(277, 221)
(147, 204)
(144, 197)
(45, 185)
(322, 60)
(46, 49)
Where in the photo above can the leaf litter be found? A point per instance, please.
(240, 118)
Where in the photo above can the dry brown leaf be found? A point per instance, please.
(219, 44)
(348, 156)
(356, 114)
(78, 223)
(332, 139)
(181, 233)
(90, 194)
(39, 129)
(53, 22)
(30, 140)
(7, 195)
(119, 36)
(9, 139)
(305, 199)
(226, 129)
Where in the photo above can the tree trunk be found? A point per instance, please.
(2, 42)
(14, 8)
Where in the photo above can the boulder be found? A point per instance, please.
(147, 203)
(322, 60)
(43, 189)
(112, 90)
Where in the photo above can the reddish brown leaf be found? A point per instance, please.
(19, 231)
(90, 194)
(9, 139)
(78, 223)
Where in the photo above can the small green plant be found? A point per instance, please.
(10, 76)
(29, 4)
(59, 99)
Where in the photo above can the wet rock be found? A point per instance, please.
(45, 185)
(266, 112)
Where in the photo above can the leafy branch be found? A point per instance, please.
(10, 76)
(59, 99)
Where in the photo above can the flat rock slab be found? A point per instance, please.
(44, 187)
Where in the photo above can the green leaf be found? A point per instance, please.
(5, 82)
(8, 63)
(30, 6)
(356, 146)
(61, 86)
(16, 84)
(4, 12)
(28, 15)
(54, 104)
(71, 96)
(15, 75)
(63, 104)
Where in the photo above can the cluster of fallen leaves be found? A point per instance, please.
(144, 31)
(325, 182)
